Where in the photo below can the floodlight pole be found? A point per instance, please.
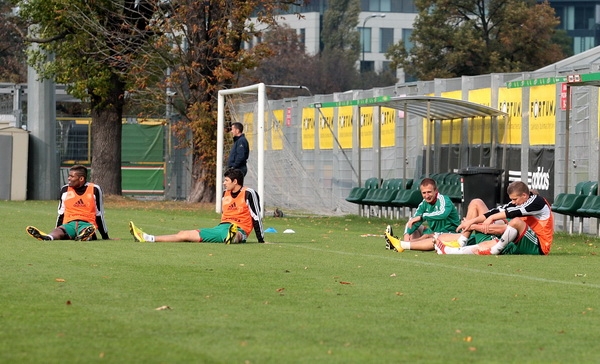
(362, 65)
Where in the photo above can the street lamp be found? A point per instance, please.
(363, 36)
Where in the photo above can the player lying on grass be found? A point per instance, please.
(241, 214)
(530, 229)
(436, 209)
(80, 210)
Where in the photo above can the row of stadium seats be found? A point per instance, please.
(584, 203)
(388, 196)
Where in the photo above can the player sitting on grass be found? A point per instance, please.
(436, 209)
(477, 233)
(80, 210)
(241, 213)
(530, 229)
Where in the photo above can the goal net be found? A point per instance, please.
(275, 167)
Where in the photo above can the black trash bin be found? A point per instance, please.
(480, 182)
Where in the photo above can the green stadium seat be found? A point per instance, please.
(571, 204)
(357, 194)
(383, 196)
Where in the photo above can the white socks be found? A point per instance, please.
(453, 250)
(462, 240)
(405, 244)
(149, 238)
(510, 234)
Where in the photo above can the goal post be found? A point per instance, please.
(261, 98)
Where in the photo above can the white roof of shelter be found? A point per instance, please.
(436, 108)
(584, 62)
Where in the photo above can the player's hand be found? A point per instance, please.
(465, 225)
(410, 222)
(486, 225)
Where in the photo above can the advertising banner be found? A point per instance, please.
(275, 126)
(388, 127)
(326, 128)
(480, 129)
(366, 127)
(542, 115)
(248, 121)
(510, 101)
(344, 126)
(308, 128)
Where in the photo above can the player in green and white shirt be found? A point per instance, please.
(437, 210)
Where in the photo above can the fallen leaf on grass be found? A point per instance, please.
(162, 308)
(342, 282)
(399, 294)
(393, 275)
(280, 289)
(472, 348)
(60, 280)
(468, 339)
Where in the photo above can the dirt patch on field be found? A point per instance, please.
(114, 201)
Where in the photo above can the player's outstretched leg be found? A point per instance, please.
(392, 242)
(138, 234)
(231, 235)
(86, 234)
(37, 233)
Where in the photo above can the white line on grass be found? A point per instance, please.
(420, 262)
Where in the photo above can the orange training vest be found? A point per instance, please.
(236, 210)
(80, 207)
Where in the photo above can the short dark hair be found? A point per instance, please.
(80, 170)
(238, 126)
(428, 182)
(235, 174)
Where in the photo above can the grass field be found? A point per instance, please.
(322, 295)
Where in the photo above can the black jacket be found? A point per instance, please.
(239, 153)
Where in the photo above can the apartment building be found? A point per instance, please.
(581, 20)
(381, 24)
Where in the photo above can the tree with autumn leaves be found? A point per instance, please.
(127, 53)
(452, 38)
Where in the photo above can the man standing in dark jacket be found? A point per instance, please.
(240, 149)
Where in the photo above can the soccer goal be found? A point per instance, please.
(259, 91)
(285, 176)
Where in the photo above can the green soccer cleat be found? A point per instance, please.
(36, 233)
(86, 234)
(138, 234)
(231, 234)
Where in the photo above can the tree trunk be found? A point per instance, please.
(202, 190)
(106, 138)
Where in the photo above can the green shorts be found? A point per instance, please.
(74, 228)
(527, 245)
(477, 238)
(218, 234)
(427, 231)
